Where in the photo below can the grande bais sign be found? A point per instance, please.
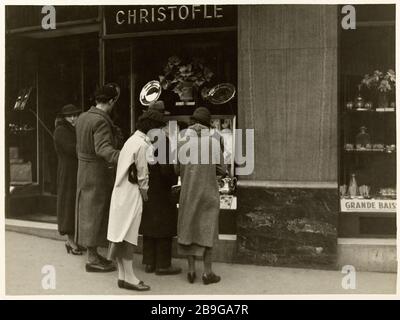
(135, 19)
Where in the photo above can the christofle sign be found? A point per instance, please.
(133, 19)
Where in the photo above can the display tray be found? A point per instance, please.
(367, 205)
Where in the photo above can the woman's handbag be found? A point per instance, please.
(132, 174)
(175, 193)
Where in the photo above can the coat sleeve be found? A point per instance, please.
(64, 141)
(142, 169)
(167, 170)
(103, 143)
(219, 159)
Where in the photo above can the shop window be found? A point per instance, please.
(368, 123)
(132, 63)
(22, 137)
(70, 78)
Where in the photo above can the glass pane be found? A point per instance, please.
(118, 71)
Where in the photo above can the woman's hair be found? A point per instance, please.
(145, 124)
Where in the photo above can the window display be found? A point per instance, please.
(23, 140)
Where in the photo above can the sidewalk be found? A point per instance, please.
(26, 255)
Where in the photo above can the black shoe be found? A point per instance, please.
(138, 287)
(168, 271)
(75, 252)
(104, 260)
(120, 283)
(149, 268)
(83, 249)
(211, 278)
(191, 276)
(100, 267)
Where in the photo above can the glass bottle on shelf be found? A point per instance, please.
(359, 102)
(353, 188)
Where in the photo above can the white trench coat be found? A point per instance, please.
(126, 201)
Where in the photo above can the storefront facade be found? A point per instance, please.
(286, 64)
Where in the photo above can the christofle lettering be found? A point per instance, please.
(168, 14)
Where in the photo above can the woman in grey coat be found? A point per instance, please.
(199, 198)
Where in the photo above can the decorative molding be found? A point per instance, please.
(364, 241)
(168, 32)
(288, 184)
(66, 24)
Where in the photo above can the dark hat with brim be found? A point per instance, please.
(108, 91)
(69, 110)
(202, 115)
(153, 115)
(158, 106)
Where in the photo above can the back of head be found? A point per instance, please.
(106, 93)
(150, 120)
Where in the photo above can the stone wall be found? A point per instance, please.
(287, 227)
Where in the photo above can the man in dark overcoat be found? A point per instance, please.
(97, 150)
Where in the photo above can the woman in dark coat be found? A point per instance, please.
(65, 145)
(159, 219)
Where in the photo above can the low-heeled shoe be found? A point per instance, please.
(168, 271)
(138, 287)
(104, 260)
(191, 276)
(211, 278)
(100, 267)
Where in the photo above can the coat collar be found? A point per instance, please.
(64, 123)
(141, 135)
(102, 113)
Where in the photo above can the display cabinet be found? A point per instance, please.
(368, 172)
(367, 126)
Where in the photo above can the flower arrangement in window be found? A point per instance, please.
(383, 82)
(181, 77)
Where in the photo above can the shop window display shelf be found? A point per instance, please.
(374, 216)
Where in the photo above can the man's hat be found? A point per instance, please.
(158, 106)
(108, 91)
(69, 110)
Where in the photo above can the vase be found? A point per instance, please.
(186, 92)
(353, 188)
(359, 103)
(383, 101)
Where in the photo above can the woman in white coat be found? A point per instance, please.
(130, 190)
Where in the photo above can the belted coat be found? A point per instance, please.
(97, 150)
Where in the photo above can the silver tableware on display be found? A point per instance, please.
(150, 92)
(221, 93)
